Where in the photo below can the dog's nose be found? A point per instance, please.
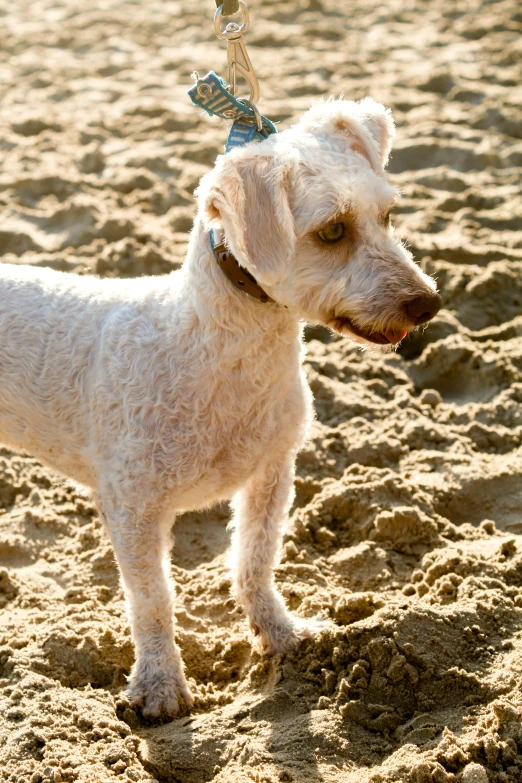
(423, 308)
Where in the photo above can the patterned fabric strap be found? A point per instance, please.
(211, 94)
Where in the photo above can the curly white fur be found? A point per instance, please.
(171, 393)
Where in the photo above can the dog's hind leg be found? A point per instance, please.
(157, 681)
(260, 509)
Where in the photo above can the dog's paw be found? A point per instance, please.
(159, 695)
(285, 635)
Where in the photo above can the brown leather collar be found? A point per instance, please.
(238, 275)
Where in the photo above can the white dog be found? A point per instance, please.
(165, 394)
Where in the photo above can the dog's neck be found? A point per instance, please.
(240, 277)
(223, 302)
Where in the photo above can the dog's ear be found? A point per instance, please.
(246, 195)
(379, 121)
(367, 125)
(371, 127)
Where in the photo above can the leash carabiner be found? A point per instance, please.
(238, 59)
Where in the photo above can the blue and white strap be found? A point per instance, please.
(210, 93)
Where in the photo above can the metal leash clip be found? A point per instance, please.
(238, 60)
(217, 98)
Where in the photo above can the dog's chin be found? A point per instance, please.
(346, 327)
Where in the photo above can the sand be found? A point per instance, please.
(407, 528)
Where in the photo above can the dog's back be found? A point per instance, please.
(67, 343)
(46, 347)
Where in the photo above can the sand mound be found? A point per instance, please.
(407, 528)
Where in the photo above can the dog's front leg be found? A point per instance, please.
(260, 509)
(157, 681)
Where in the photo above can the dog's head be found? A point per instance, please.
(307, 212)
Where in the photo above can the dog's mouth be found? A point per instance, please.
(342, 325)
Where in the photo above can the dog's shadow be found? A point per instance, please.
(266, 732)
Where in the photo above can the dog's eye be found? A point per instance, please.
(332, 233)
(386, 219)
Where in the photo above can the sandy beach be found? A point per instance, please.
(407, 526)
